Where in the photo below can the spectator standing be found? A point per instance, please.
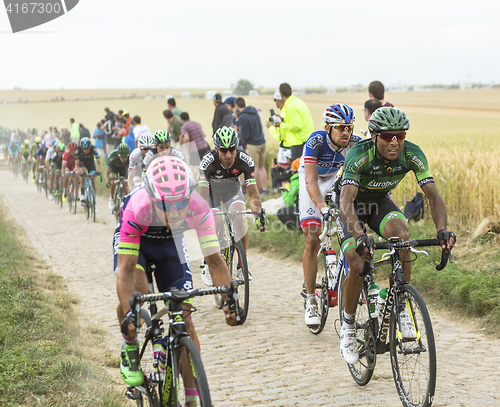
(174, 126)
(75, 132)
(228, 119)
(139, 129)
(220, 111)
(99, 141)
(173, 107)
(128, 121)
(276, 133)
(376, 90)
(297, 123)
(84, 132)
(65, 135)
(370, 106)
(192, 133)
(251, 133)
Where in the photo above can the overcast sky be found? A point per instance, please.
(194, 43)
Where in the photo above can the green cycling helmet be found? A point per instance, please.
(226, 137)
(123, 150)
(61, 148)
(162, 138)
(387, 119)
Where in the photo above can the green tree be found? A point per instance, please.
(243, 87)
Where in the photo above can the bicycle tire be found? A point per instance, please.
(117, 202)
(86, 204)
(362, 371)
(413, 391)
(322, 290)
(92, 202)
(225, 250)
(185, 344)
(238, 267)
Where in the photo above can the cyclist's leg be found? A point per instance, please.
(389, 221)
(237, 203)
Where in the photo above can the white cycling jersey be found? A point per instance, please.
(135, 162)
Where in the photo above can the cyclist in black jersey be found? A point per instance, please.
(373, 167)
(161, 140)
(220, 170)
(56, 165)
(117, 167)
(85, 155)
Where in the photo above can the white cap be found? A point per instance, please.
(277, 95)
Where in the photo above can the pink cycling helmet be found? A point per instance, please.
(169, 179)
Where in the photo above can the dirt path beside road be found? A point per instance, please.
(273, 360)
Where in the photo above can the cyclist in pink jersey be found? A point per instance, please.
(151, 228)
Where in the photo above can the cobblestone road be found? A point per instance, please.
(273, 360)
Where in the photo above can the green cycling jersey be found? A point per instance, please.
(115, 162)
(365, 170)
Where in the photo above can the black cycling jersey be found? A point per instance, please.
(153, 152)
(212, 170)
(56, 160)
(80, 155)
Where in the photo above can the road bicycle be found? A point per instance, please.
(330, 268)
(183, 361)
(88, 201)
(72, 192)
(233, 253)
(39, 179)
(26, 171)
(404, 327)
(58, 198)
(118, 196)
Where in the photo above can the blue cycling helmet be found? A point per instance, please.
(85, 142)
(339, 114)
(53, 144)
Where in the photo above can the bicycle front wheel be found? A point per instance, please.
(321, 296)
(413, 351)
(92, 202)
(189, 374)
(362, 371)
(238, 268)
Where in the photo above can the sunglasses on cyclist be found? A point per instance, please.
(167, 206)
(343, 127)
(225, 150)
(389, 137)
(145, 148)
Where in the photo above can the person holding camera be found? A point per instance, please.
(274, 130)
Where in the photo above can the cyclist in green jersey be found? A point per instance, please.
(373, 168)
(118, 162)
(25, 152)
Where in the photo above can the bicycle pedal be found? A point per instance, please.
(132, 393)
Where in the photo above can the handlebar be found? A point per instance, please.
(176, 295)
(262, 214)
(396, 244)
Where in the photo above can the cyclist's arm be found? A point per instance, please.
(99, 164)
(311, 176)
(63, 167)
(347, 211)
(125, 279)
(255, 200)
(437, 205)
(106, 175)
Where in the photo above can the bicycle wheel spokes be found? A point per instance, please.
(413, 352)
(190, 374)
(321, 296)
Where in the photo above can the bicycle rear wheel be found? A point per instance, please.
(413, 351)
(86, 203)
(189, 373)
(362, 371)
(321, 296)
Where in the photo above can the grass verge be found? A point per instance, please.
(471, 285)
(47, 357)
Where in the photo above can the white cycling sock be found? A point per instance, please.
(349, 321)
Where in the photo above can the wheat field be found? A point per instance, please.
(458, 130)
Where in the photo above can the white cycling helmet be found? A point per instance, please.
(145, 140)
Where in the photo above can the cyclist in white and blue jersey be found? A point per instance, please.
(324, 153)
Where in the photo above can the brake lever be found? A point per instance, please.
(135, 306)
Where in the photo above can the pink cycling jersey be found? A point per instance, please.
(139, 216)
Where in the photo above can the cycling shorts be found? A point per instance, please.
(308, 213)
(89, 165)
(374, 214)
(228, 192)
(70, 166)
(172, 266)
(118, 172)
